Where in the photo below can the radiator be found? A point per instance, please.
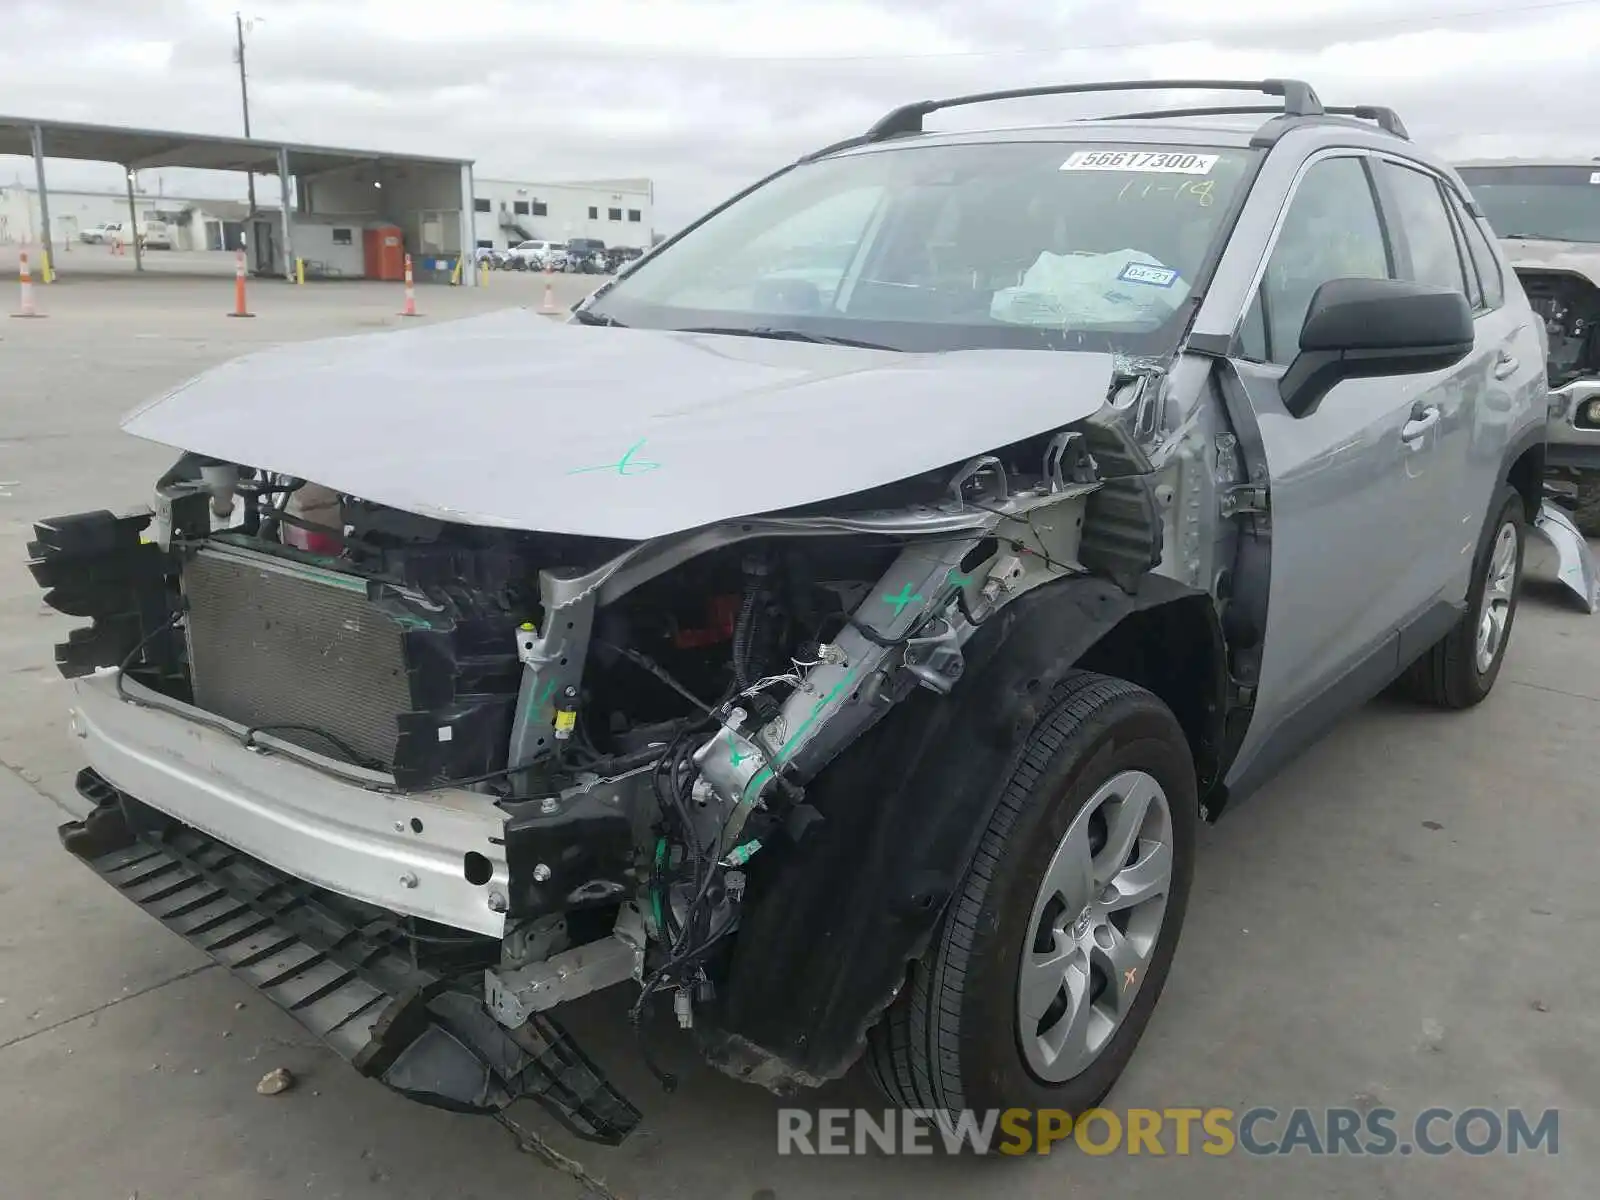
(275, 642)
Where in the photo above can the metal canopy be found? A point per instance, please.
(142, 149)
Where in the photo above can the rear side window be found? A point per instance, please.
(1483, 257)
(1425, 228)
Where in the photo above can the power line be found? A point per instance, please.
(1365, 28)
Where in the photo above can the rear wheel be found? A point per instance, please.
(1055, 948)
(1460, 670)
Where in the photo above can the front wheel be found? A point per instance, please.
(1055, 948)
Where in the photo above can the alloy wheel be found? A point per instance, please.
(1095, 924)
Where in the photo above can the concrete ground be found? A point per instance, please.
(1409, 916)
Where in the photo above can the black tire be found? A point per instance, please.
(1448, 674)
(1586, 506)
(951, 1039)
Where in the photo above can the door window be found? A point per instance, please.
(1425, 227)
(1331, 231)
(1483, 257)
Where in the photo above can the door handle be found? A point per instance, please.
(1413, 429)
(1505, 364)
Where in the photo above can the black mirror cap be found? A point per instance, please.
(1385, 314)
(1361, 328)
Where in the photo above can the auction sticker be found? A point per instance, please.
(1165, 162)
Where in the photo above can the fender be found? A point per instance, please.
(832, 921)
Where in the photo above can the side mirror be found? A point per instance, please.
(1359, 328)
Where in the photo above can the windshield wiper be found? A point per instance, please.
(787, 335)
(584, 317)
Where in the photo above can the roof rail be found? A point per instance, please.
(1386, 118)
(1299, 99)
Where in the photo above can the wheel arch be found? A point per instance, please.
(1525, 472)
(832, 922)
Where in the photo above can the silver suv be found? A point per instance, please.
(837, 629)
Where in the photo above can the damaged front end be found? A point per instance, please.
(422, 781)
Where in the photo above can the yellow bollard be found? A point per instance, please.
(46, 271)
(299, 270)
(483, 274)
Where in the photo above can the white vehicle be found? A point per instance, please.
(539, 255)
(95, 235)
(153, 235)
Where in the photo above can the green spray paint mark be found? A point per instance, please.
(655, 892)
(734, 755)
(626, 465)
(542, 701)
(759, 779)
(904, 597)
(956, 579)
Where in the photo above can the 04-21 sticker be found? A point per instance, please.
(1163, 162)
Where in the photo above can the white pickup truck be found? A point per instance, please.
(153, 235)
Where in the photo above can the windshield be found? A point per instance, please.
(1012, 244)
(1559, 204)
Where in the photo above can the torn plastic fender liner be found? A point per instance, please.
(1575, 565)
(833, 922)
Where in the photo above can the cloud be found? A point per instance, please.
(705, 95)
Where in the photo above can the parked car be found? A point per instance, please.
(620, 256)
(96, 235)
(849, 674)
(1547, 213)
(536, 255)
(153, 235)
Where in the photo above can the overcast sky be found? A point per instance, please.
(704, 95)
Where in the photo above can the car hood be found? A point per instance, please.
(1538, 254)
(516, 421)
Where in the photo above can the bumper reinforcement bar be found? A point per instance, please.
(352, 984)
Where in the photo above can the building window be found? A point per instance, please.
(634, 215)
(541, 209)
(613, 214)
(594, 213)
(343, 237)
(485, 243)
(520, 207)
(480, 205)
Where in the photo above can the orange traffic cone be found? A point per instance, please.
(27, 308)
(410, 310)
(239, 309)
(549, 308)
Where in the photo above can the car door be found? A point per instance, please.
(1348, 479)
(1515, 352)
(1429, 249)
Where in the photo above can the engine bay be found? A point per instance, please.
(647, 715)
(1570, 308)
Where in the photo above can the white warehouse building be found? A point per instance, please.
(619, 212)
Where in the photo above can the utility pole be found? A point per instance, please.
(244, 99)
